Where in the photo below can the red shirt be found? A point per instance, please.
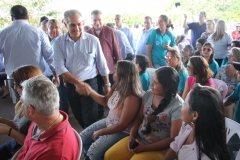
(236, 35)
(109, 43)
(57, 143)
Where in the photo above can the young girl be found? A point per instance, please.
(208, 54)
(142, 63)
(187, 52)
(123, 101)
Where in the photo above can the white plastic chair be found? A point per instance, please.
(150, 72)
(80, 143)
(232, 127)
(221, 87)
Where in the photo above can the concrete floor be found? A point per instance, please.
(7, 111)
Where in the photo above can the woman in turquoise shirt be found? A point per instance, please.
(208, 54)
(173, 60)
(160, 40)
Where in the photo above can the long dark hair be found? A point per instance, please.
(210, 132)
(201, 69)
(169, 79)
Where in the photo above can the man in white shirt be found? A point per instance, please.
(126, 30)
(22, 44)
(141, 45)
(78, 58)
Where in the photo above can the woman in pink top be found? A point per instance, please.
(124, 101)
(199, 72)
(203, 135)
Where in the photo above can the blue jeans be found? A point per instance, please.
(100, 89)
(84, 108)
(95, 149)
(130, 56)
(8, 149)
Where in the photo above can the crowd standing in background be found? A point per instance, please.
(155, 83)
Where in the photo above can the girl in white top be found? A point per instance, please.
(202, 136)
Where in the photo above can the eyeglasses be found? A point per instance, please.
(206, 49)
(168, 57)
(230, 55)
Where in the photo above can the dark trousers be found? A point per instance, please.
(62, 90)
(101, 90)
(84, 108)
(3, 76)
(8, 149)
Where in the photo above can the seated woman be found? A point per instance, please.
(157, 123)
(187, 52)
(203, 134)
(124, 101)
(228, 73)
(233, 44)
(142, 63)
(208, 54)
(199, 72)
(19, 125)
(173, 60)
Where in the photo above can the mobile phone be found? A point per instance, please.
(134, 145)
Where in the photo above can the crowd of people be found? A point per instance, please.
(175, 113)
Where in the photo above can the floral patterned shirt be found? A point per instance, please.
(161, 126)
(222, 75)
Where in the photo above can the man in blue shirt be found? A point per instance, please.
(22, 44)
(141, 43)
(78, 58)
(126, 30)
(197, 28)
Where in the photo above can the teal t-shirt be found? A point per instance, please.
(236, 96)
(157, 40)
(183, 76)
(145, 81)
(214, 67)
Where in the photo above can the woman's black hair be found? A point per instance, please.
(201, 40)
(169, 79)
(181, 38)
(210, 134)
(237, 43)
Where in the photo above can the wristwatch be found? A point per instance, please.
(108, 84)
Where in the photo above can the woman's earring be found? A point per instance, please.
(192, 123)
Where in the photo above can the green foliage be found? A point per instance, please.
(36, 9)
(129, 19)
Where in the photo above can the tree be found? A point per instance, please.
(36, 9)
